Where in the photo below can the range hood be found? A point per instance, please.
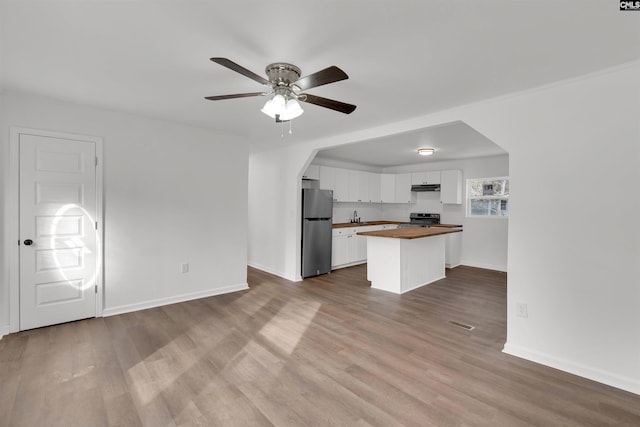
(426, 187)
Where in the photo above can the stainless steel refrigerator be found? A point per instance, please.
(317, 209)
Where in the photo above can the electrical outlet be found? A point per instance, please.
(522, 310)
(184, 268)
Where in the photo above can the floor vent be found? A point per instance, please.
(462, 325)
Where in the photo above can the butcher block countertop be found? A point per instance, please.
(363, 224)
(411, 232)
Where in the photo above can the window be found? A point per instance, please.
(488, 197)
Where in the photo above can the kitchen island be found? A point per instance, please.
(403, 259)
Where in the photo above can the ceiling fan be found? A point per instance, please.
(285, 89)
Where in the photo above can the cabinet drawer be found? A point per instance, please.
(338, 232)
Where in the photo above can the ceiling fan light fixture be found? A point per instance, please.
(275, 106)
(291, 110)
(426, 151)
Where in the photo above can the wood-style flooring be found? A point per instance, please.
(327, 351)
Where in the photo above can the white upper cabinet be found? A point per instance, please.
(388, 188)
(366, 187)
(341, 191)
(374, 187)
(421, 178)
(335, 179)
(312, 172)
(403, 188)
(358, 186)
(327, 178)
(451, 187)
(353, 181)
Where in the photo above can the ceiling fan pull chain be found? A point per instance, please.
(290, 133)
(281, 129)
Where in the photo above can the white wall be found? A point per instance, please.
(172, 194)
(274, 209)
(343, 211)
(574, 148)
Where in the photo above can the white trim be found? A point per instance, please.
(112, 311)
(11, 243)
(421, 285)
(13, 208)
(604, 377)
(484, 266)
(467, 212)
(274, 272)
(5, 330)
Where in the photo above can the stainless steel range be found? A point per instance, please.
(420, 219)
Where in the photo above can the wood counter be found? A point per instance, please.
(364, 224)
(411, 232)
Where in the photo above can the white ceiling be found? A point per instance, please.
(404, 59)
(452, 141)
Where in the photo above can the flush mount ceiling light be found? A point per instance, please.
(426, 151)
(284, 86)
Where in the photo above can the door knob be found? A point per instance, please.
(28, 242)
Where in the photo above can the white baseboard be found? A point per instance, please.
(274, 272)
(112, 311)
(484, 265)
(584, 371)
(419, 286)
(5, 330)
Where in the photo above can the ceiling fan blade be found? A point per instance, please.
(343, 107)
(235, 95)
(240, 69)
(323, 77)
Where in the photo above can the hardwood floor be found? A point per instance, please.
(327, 351)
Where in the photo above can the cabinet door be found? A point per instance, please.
(453, 250)
(374, 187)
(328, 179)
(451, 187)
(352, 248)
(387, 188)
(403, 188)
(432, 177)
(339, 250)
(341, 190)
(363, 187)
(422, 178)
(418, 178)
(358, 186)
(352, 187)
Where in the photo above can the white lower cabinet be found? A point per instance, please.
(339, 250)
(453, 250)
(347, 248)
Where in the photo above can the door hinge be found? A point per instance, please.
(96, 161)
(96, 225)
(96, 288)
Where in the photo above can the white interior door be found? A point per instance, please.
(58, 237)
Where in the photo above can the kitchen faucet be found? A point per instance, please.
(355, 216)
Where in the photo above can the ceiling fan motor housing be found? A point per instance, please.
(282, 74)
